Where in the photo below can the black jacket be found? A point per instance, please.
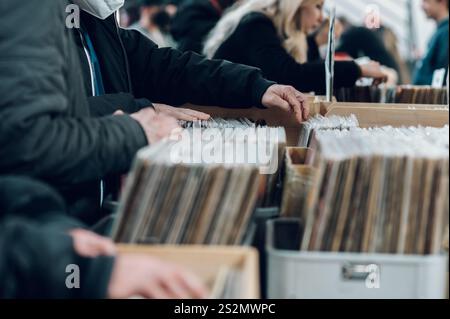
(192, 23)
(47, 131)
(131, 63)
(256, 42)
(35, 248)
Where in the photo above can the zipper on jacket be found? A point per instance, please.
(91, 70)
(89, 62)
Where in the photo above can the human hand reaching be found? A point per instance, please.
(287, 99)
(156, 126)
(90, 245)
(375, 71)
(149, 277)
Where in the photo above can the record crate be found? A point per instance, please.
(368, 115)
(295, 274)
(208, 261)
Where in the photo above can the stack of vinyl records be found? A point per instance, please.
(320, 122)
(381, 190)
(271, 195)
(406, 94)
(216, 122)
(201, 189)
(299, 178)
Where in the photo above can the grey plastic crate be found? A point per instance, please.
(320, 275)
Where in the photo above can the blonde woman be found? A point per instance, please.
(272, 35)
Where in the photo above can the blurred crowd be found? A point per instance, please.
(195, 25)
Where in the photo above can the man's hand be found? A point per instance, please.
(148, 277)
(288, 99)
(156, 126)
(181, 113)
(90, 245)
(139, 275)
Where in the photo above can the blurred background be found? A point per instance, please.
(402, 25)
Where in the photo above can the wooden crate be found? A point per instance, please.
(206, 261)
(368, 114)
(371, 115)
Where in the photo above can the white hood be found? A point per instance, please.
(100, 8)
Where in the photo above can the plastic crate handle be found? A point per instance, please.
(370, 273)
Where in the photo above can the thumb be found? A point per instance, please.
(119, 112)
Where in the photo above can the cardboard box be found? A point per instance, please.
(206, 262)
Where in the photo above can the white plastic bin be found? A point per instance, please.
(320, 275)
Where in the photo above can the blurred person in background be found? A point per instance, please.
(129, 13)
(172, 7)
(437, 55)
(390, 41)
(360, 41)
(154, 21)
(194, 20)
(273, 35)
